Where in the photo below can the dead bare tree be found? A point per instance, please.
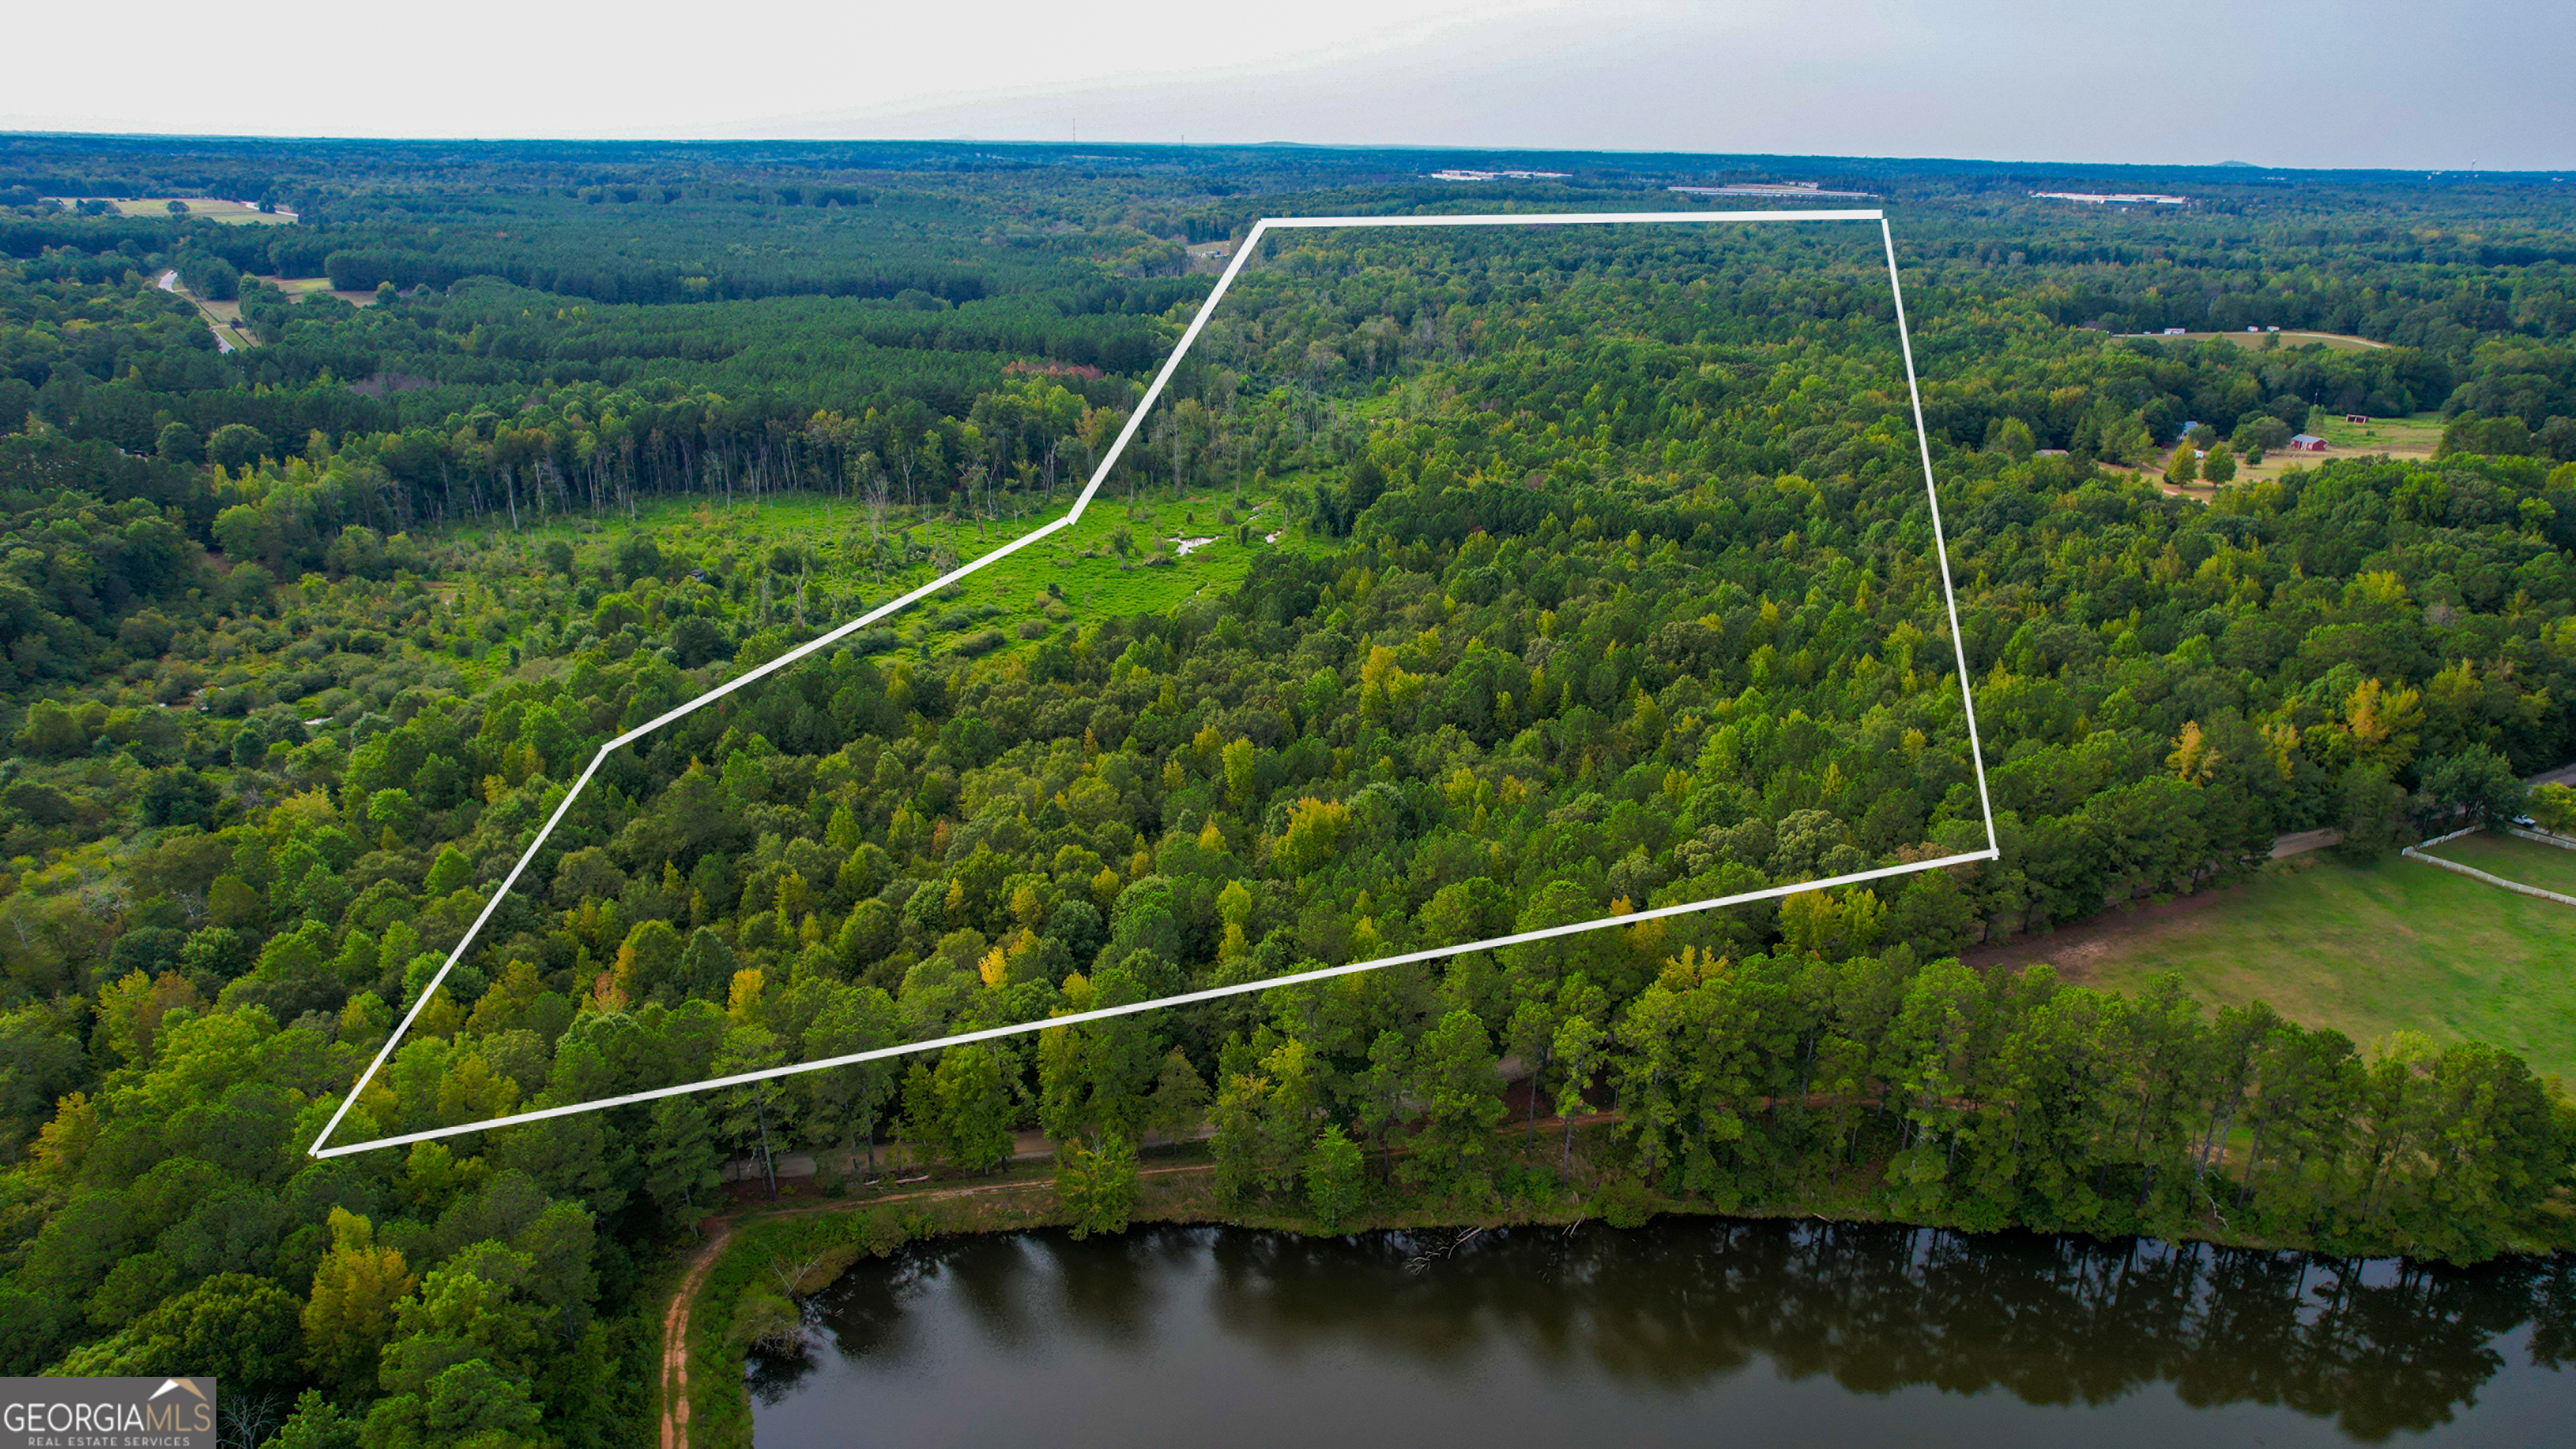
(244, 1419)
(795, 1273)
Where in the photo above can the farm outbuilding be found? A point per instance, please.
(2307, 443)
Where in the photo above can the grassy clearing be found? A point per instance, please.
(206, 208)
(2332, 341)
(2410, 437)
(2368, 950)
(2413, 437)
(1092, 578)
(299, 288)
(1096, 582)
(831, 530)
(2525, 861)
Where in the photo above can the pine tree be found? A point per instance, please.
(1096, 1185)
(1179, 1104)
(974, 1107)
(1453, 1078)
(681, 1164)
(1333, 1177)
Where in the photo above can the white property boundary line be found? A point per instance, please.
(1100, 474)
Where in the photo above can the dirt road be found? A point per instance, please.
(2303, 841)
(675, 1337)
(675, 1320)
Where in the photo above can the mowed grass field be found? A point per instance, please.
(1080, 560)
(2368, 950)
(299, 288)
(2515, 859)
(205, 208)
(2412, 437)
(2331, 341)
(1092, 580)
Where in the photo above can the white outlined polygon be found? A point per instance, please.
(1251, 243)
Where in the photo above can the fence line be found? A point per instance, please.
(2416, 853)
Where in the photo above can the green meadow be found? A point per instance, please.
(2368, 950)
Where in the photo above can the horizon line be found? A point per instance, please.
(2547, 175)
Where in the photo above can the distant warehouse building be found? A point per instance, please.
(1778, 190)
(2115, 198)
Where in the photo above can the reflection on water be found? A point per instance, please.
(1685, 1332)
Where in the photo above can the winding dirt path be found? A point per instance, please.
(675, 1337)
(675, 1320)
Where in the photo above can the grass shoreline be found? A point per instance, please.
(825, 1237)
(2374, 950)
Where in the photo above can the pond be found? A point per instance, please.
(1685, 1332)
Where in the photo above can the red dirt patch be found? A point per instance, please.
(2074, 949)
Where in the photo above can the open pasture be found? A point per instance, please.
(2333, 341)
(2368, 950)
(206, 208)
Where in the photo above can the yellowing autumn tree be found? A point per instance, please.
(351, 1313)
(1239, 757)
(2383, 720)
(2194, 759)
(1315, 830)
(1385, 685)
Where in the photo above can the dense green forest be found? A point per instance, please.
(1580, 573)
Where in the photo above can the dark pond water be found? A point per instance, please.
(1687, 1332)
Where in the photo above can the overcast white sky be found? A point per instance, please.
(2362, 83)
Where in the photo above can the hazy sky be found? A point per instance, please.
(2360, 83)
